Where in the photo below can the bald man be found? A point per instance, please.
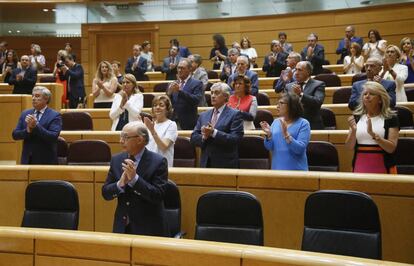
(24, 78)
(137, 177)
(344, 45)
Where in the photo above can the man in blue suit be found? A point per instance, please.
(373, 67)
(183, 51)
(137, 177)
(24, 78)
(39, 128)
(242, 69)
(170, 63)
(275, 62)
(344, 45)
(136, 65)
(185, 94)
(219, 131)
(314, 53)
(73, 73)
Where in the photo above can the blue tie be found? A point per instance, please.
(38, 115)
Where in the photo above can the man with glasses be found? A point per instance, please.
(314, 53)
(243, 69)
(219, 131)
(373, 68)
(24, 78)
(138, 178)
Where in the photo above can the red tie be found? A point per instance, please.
(214, 118)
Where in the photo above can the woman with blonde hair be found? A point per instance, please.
(163, 130)
(104, 85)
(407, 57)
(393, 70)
(373, 132)
(127, 104)
(37, 60)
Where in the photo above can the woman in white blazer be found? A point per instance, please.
(127, 104)
(395, 71)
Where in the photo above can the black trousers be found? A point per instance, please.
(74, 101)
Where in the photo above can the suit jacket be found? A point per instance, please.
(26, 85)
(312, 99)
(39, 146)
(317, 59)
(389, 86)
(277, 67)
(142, 204)
(223, 75)
(221, 151)
(343, 51)
(74, 76)
(280, 85)
(140, 70)
(253, 78)
(185, 103)
(171, 73)
(201, 74)
(183, 52)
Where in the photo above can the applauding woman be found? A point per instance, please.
(393, 70)
(354, 62)
(104, 85)
(127, 104)
(375, 47)
(407, 57)
(163, 130)
(373, 132)
(288, 136)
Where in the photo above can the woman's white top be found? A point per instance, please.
(102, 98)
(40, 58)
(402, 74)
(149, 57)
(165, 130)
(354, 69)
(250, 52)
(133, 105)
(362, 135)
(374, 52)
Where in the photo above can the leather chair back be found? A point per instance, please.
(184, 153)
(172, 208)
(77, 121)
(410, 94)
(328, 118)
(262, 99)
(263, 115)
(212, 74)
(51, 204)
(62, 150)
(405, 117)
(229, 216)
(161, 87)
(89, 152)
(342, 223)
(358, 77)
(148, 100)
(331, 80)
(322, 156)
(403, 156)
(341, 95)
(253, 154)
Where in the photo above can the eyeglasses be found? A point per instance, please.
(125, 136)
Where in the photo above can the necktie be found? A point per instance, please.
(215, 117)
(182, 83)
(38, 115)
(302, 86)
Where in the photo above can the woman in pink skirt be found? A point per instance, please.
(373, 132)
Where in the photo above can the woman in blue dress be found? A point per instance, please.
(288, 136)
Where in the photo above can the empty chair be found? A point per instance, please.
(51, 204)
(322, 156)
(331, 80)
(145, 78)
(47, 79)
(326, 71)
(262, 99)
(410, 94)
(343, 223)
(148, 100)
(263, 115)
(358, 77)
(342, 95)
(184, 153)
(77, 121)
(208, 99)
(253, 154)
(328, 118)
(172, 208)
(229, 216)
(405, 117)
(161, 87)
(403, 156)
(140, 88)
(62, 150)
(208, 87)
(212, 74)
(89, 152)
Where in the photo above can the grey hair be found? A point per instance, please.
(188, 62)
(375, 61)
(296, 56)
(246, 59)
(141, 130)
(308, 66)
(223, 87)
(45, 92)
(197, 59)
(233, 51)
(275, 42)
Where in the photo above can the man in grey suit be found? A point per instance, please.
(219, 131)
(169, 66)
(199, 73)
(311, 93)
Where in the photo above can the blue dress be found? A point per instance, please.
(410, 78)
(289, 156)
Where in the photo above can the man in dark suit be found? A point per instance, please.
(219, 131)
(39, 128)
(136, 65)
(242, 69)
(311, 93)
(314, 53)
(230, 64)
(275, 62)
(185, 95)
(373, 67)
(138, 178)
(73, 73)
(24, 78)
(344, 45)
(183, 51)
(288, 75)
(170, 64)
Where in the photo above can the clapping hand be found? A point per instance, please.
(149, 124)
(283, 125)
(266, 128)
(124, 97)
(129, 168)
(31, 122)
(377, 78)
(297, 89)
(369, 127)
(309, 52)
(352, 123)
(207, 131)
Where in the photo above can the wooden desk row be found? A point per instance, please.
(282, 195)
(34, 247)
